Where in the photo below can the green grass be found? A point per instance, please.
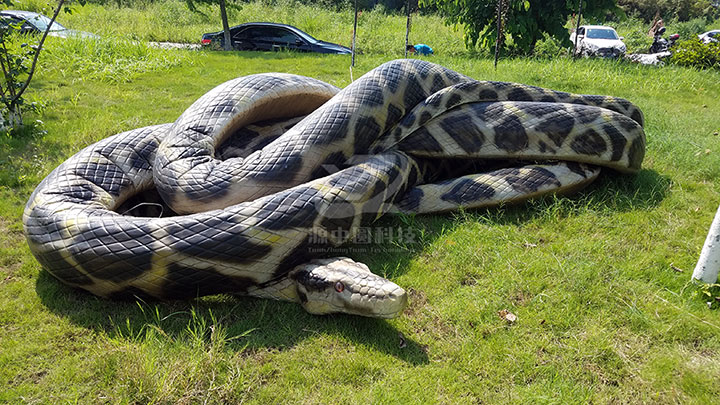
(170, 20)
(108, 58)
(602, 314)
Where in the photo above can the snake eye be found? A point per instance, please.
(339, 286)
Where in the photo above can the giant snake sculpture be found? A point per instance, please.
(233, 196)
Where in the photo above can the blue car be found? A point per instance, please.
(261, 36)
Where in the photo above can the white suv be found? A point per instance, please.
(710, 36)
(598, 40)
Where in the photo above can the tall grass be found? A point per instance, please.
(379, 31)
(171, 20)
(109, 59)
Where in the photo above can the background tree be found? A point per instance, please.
(682, 10)
(526, 23)
(227, 41)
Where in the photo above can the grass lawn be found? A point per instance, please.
(599, 281)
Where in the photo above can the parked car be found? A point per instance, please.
(261, 36)
(598, 40)
(710, 36)
(34, 23)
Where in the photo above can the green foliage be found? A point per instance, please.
(709, 293)
(549, 48)
(691, 28)
(681, 10)
(18, 61)
(637, 41)
(170, 20)
(527, 20)
(693, 53)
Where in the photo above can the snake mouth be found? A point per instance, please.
(340, 285)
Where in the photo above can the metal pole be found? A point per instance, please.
(577, 27)
(407, 28)
(498, 6)
(354, 35)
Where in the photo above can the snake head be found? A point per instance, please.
(342, 285)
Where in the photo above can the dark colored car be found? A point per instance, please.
(34, 23)
(261, 36)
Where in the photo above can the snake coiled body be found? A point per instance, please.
(254, 171)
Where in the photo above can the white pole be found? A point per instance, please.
(709, 263)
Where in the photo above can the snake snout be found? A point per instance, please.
(340, 285)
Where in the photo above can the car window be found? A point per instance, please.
(41, 23)
(16, 22)
(242, 34)
(602, 33)
(285, 36)
(273, 34)
(581, 31)
(6, 21)
(304, 35)
(261, 33)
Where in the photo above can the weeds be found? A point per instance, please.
(708, 293)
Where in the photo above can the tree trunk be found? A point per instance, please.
(15, 116)
(226, 27)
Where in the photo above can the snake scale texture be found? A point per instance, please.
(263, 172)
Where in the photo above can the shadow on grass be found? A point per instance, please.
(610, 193)
(280, 325)
(251, 324)
(276, 55)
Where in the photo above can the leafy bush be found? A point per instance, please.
(549, 48)
(710, 293)
(690, 29)
(682, 10)
(693, 53)
(637, 41)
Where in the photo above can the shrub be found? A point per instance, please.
(681, 10)
(693, 53)
(549, 48)
(637, 40)
(690, 29)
